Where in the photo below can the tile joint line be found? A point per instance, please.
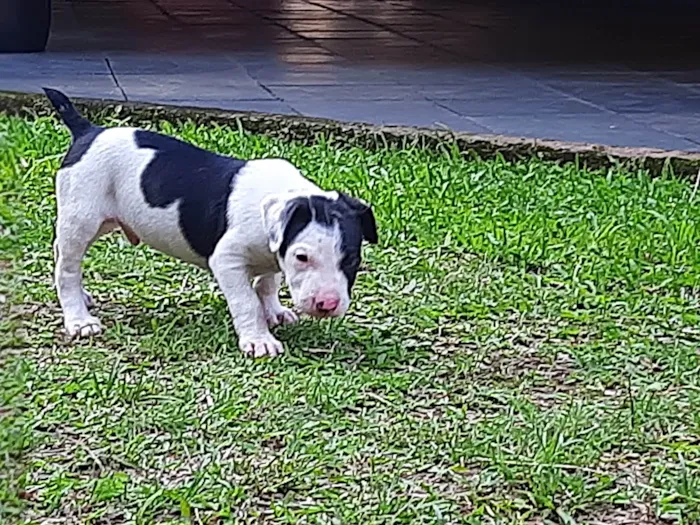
(116, 80)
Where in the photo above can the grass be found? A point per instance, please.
(522, 348)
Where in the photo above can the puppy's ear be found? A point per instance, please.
(366, 216)
(272, 208)
(282, 214)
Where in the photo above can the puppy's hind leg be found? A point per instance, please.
(87, 296)
(76, 229)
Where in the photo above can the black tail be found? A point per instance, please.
(77, 124)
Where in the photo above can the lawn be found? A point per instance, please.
(522, 348)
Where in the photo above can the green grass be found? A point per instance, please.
(522, 348)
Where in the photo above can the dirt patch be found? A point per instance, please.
(632, 514)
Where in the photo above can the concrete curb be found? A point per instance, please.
(308, 129)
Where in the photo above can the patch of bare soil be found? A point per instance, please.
(632, 514)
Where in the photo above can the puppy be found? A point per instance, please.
(248, 222)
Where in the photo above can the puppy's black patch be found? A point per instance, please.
(80, 145)
(199, 179)
(349, 214)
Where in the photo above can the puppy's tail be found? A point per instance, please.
(77, 124)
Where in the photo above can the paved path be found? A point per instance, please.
(630, 78)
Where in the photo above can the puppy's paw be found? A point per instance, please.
(82, 328)
(280, 315)
(260, 345)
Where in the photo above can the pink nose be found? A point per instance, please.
(325, 304)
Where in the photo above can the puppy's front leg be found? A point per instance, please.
(230, 269)
(268, 287)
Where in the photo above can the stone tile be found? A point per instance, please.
(303, 16)
(260, 106)
(686, 126)
(371, 9)
(333, 35)
(517, 96)
(388, 112)
(219, 20)
(499, 86)
(307, 10)
(342, 24)
(290, 57)
(694, 88)
(650, 96)
(318, 75)
(259, 58)
(183, 86)
(240, 39)
(664, 64)
(415, 56)
(92, 86)
(417, 21)
(286, 58)
(512, 103)
(279, 35)
(308, 48)
(682, 77)
(272, 58)
(449, 76)
(373, 44)
(303, 47)
(597, 129)
(383, 6)
(366, 93)
(177, 64)
(42, 64)
(583, 75)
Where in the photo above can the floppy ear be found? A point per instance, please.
(278, 213)
(364, 212)
(272, 209)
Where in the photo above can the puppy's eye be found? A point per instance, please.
(302, 257)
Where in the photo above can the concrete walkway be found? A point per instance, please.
(628, 78)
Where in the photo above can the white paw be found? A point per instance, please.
(280, 315)
(261, 345)
(87, 299)
(86, 327)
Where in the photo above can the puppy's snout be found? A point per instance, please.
(326, 304)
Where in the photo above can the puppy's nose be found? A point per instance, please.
(325, 304)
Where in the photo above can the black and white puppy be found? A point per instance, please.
(247, 221)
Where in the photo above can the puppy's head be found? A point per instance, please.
(318, 240)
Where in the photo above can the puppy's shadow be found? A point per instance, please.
(343, 342)
(173, 330)
(201, 328)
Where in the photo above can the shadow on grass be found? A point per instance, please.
(203, 330)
